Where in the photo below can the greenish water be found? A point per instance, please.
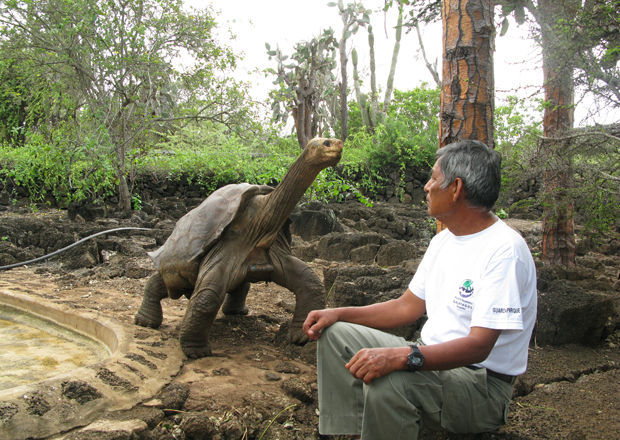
(33, 349)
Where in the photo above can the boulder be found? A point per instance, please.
(365, 254)
(567, 313)
(362, 285)
(396, 252)
(314, 220)
(338, 246)
(107, 429)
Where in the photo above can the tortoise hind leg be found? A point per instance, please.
(150, 313)
(214, 280)
(234, 304)
(199, 316)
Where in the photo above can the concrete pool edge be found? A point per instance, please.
(141, 362)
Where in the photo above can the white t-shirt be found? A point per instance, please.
(487, 279)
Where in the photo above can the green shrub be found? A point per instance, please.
(592, 157)
(64, 170)
(407, 139)
(211, 157)
(74, 166)
(332, 186)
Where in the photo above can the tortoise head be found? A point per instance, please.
(322, 152)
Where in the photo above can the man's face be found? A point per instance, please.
(439, 200)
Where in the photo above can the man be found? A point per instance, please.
(477, 285)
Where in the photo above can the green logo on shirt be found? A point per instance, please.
(467, 289)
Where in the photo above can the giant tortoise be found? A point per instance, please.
(237, 236)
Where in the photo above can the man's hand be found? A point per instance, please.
(317, 320)
(372, 363)
(389, 314)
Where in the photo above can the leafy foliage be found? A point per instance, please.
(517, 131)
(595, 167)
(594, 36)
(210, 156)
(113, 66)
(305, 85)
(407, 139)
(65, 172)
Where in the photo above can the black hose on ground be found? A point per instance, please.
(66, 248)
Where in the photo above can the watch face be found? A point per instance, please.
(415, 360)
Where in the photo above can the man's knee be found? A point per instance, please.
(337, 334)
(333, 340)
(334, 330)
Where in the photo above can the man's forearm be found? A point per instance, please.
(471, 349)
(389, 314)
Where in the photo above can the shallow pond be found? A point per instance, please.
(34, 349)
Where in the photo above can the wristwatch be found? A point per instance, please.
(415, 359)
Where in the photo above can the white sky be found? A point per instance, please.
(285, 22)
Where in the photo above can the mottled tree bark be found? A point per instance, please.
(467, 92)
(558, 237)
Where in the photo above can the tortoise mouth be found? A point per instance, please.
(334, 157)
(335, 149)
(323, 154)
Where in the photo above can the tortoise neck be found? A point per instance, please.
(282, 200)
(294, 184)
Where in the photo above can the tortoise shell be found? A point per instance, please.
(178, 259)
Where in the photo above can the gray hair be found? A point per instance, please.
(477, 165)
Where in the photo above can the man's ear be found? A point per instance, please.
(459, 189)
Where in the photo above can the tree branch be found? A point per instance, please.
(432, 69)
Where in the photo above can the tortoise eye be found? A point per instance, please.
(327, 143)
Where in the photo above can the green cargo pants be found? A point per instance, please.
(460, 400)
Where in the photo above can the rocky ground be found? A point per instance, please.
(256, 385)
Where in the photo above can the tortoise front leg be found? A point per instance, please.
(295, 275)
(150, 313)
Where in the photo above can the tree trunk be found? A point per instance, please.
(362, 102)
(374, 94)
(558, 237)
(124, 198)
(302, 124)
(344, 108)
(390, 82)
(467, 92)
(303, 113)
(119, 136)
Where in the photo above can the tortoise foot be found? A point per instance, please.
(147, 321)
(296, 334)
(234, 303)
(193, 351)
(235, 311)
